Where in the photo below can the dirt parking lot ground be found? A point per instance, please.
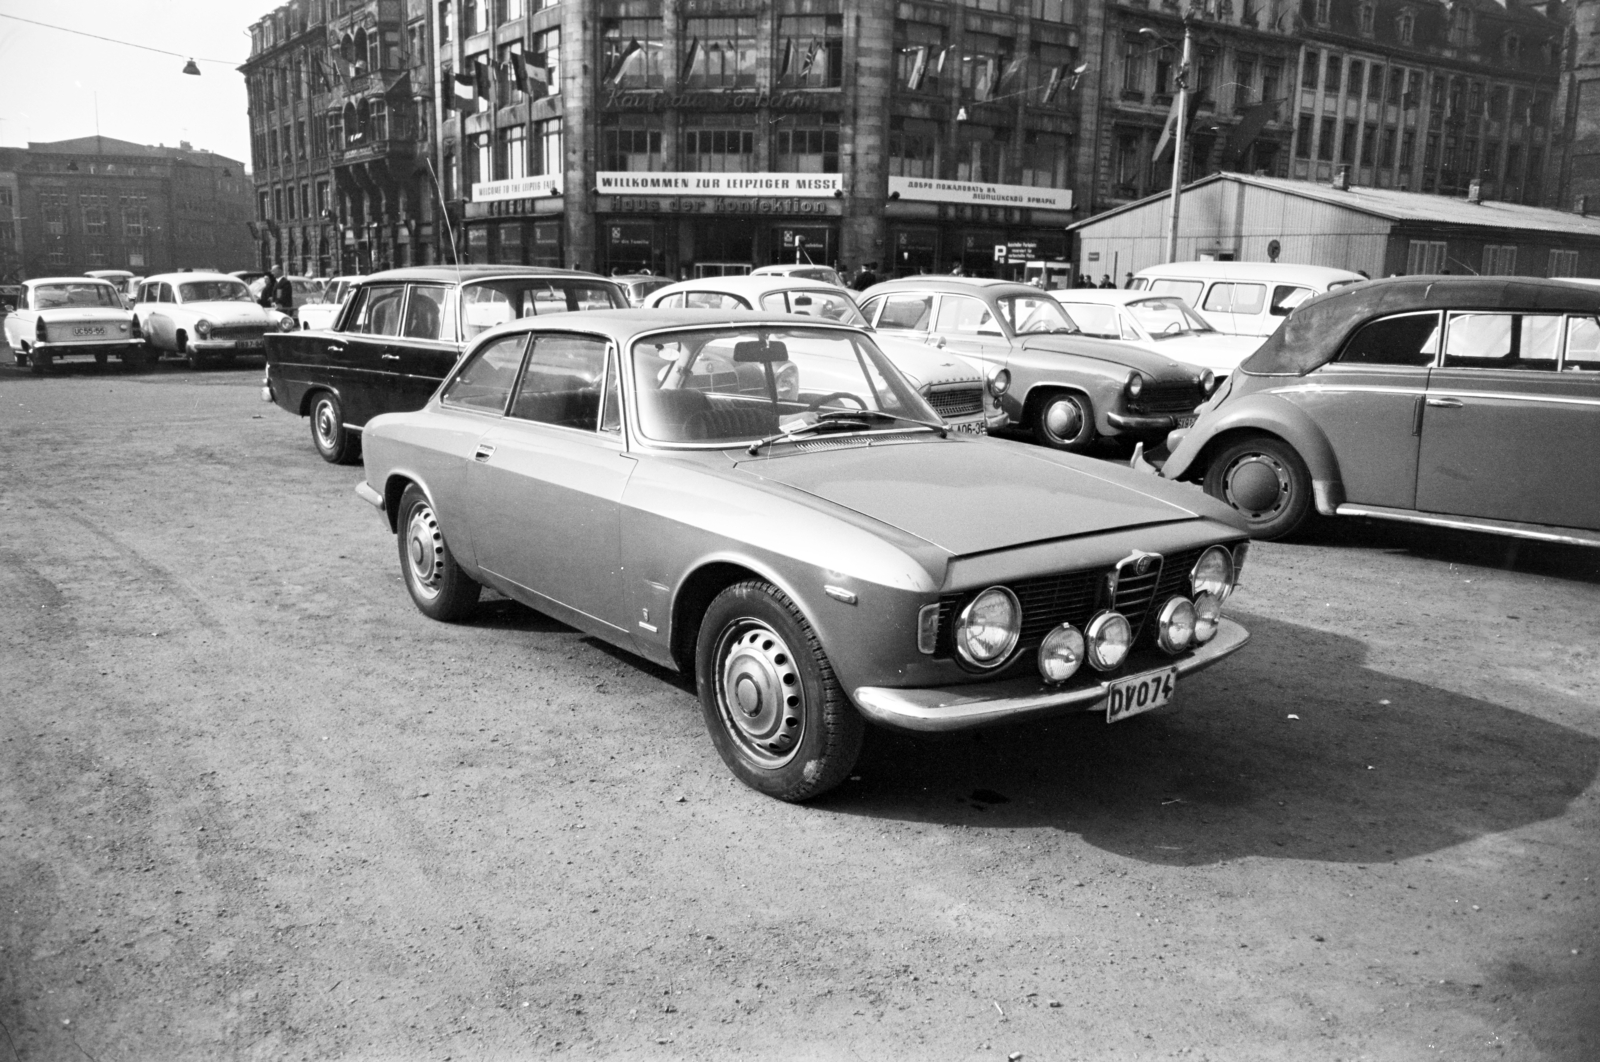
(253, 805)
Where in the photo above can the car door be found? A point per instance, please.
(1506, 433)
(1368, 403)
(359, 360)
(967, 326)
(162, 330)
(907, 314)
(546, 482)
(1239, 303)
(422, 355)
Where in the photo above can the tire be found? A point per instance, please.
(1265, 481)
(337, 444)
(1064, 420)
(777, 715)
(438, 586)
(100, 359)
(38, 363)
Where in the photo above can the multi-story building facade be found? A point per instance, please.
(1417, 95)
(99, 203)
(1573, 181)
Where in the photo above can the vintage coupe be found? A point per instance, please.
(400, 332)
(763, 501)
(1469, 402)
(1161, 323)
(965, 395)
(66, 317)
(203, 317)
(1067, 389)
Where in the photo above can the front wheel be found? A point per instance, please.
(337, 444)
(1065, 421)
(438, 586)
(1265, 481)
(777, 715)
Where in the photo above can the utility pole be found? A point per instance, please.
(1177, 146)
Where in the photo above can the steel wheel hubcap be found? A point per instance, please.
(759, 693)
(1064, 419)
(1257, 485)
(424, 551)
(327, 428)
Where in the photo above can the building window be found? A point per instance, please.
(920, 55)
(335, 132)
(1044, 159)
(913, 147)
(547, 157)
(1347, 144)
(980, 153)
(300, 139)
(1303, 136)
(1562, 264)
(511, 153)
(277, 205)
(807, 143)
(263, 207)
(1499, 260)
(544, 65)
(1405, 26)
(1322, 10)
(1133, 56)
(506, 10)
(1325, 141)
(1166, 59)
(1366, 17)
(272, 145)
(1331, 74)
(305, 200)
(630, 53)
(474, 17)
(984, 61)
(446, 17)
(1511, 47)
(1244, 78)
(1408, 148)
(448, 177)
(810, 51)
(720, 143)
(631, 144)
(478, 159)
(1050, 75)
(94, 214)
(1357, 79)
(1308, 72)
(720, 53)
(322, 197)
(1425, 257)
(135, 215)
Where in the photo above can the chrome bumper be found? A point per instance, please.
(1154, 423)
(986, 703)
(368, 495)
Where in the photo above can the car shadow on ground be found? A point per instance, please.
(1478, 549)
(1375, 768)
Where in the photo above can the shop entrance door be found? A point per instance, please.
(723, 240)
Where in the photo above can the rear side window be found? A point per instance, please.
(1236, 298)
(1187, 290)
(1410, 339)
(563, 382)
(1583, 344)
(378, 312)
(425, 311)
(1285, 297)
(671, 302)
(906, 313)
(713, 300)
(1502, 341)
(486, 380)
(965, 316)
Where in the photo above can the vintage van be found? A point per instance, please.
(1243, 298)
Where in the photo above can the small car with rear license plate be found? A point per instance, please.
(71, 317)
(1161, 323)
(965, 394)
(1459, 402)
(1065, 388)
(204, 318)
(764, 501)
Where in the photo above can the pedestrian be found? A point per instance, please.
(866, 278)
(1127, 281)
(268, 285)
(283, 294)
(955, 269)
(1106, 281)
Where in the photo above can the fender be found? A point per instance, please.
(1096, 401)
(1262, 412)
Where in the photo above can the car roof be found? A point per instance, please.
(68, 280)
(1287, 272)
(1317, 328)
(1112, 296)
(449, 273)
(179, 278)
(625, 325)
(950, 282)
(749, 285)
(778, 268)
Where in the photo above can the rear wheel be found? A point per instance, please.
(1265, 481)
(38, 363)
(336, 443)
(1064, 420)
(438, 586)
(100, 358)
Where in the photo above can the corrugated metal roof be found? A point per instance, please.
(1401, 206)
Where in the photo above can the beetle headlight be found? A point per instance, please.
(285, 323)
(1175, 627)
(999, 382)
(1109, 637)
(1207, 613)
(1213, 573)
(988, 628)
(1061, 653)
(202, 328)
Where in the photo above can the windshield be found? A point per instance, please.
(87, 293)
(495, 302)
(1034, 313)
(1094, 318)
(731, 385)
(1165, 318)
(833, 305)
(213, 291)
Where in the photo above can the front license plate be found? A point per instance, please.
(1187, 422)
(971, 427)
(89, 330)
(250, 344)
(1130, 696)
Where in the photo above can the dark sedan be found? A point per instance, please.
(400, 333)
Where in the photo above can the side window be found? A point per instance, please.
(357, 308)
(965, 316)
(611, 411)
(671, 302)
(909, 313)
(776, 301)
(166, 293)
(869, 309)
(1583, 344)
(563, 382)
(1285, 297)
(424, 311)
(713, 300)
(485, 381)
(1409, 339)
(1502, 341)
(379, 312)
(1236, 298)
(1187, 290)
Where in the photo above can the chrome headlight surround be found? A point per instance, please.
(1176, 625)
(285, 323)
(999, 382)
(1110, 638)
(1213, 573)
(1061, 653)
(996, 611)
(1134, 385)
(202, 328)
(1208, 382)
(1207, 614)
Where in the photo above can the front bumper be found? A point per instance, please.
(1142, 424)
(980, 704)
(231, 345)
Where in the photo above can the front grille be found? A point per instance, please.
(1167, 398)
(1136, 594)
(238, 331)
(957, 401)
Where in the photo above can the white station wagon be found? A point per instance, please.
(202, 316)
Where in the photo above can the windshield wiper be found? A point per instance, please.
(844, 420)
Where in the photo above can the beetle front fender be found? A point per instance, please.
(1260, 413)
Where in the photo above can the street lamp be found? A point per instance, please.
(1178, 135)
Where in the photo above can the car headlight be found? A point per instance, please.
(123, 327)
(999, 382)
(1207, 613)
(1208, 382)
(202, 328)
(988, 628)
(1061, 653)
(1134, 385)
(1175, 627)
(1109, 639)
(285, 323)
(1213, 573)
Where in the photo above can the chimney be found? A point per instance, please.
(1341, 179)
(1475, 192)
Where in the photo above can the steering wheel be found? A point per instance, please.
(1175, 326)
(817, 403)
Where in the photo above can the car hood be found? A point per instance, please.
(974, 496)
(230, 312)
(1157, 366)
(1220, 353)
(923, 365)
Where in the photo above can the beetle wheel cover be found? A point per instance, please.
(424, 551)
(1249, 481)
(760, 697)
(325, 424)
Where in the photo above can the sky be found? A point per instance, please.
(52, 82)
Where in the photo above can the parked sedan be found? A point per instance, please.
(203, 317)
(1161, 323)
(65, 317)
(1065, 388)
(962, 393)
(325, 310)
(401, 333)
(638, 286)
(1467, 402)
(803, 535)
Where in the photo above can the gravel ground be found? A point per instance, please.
(253, 805)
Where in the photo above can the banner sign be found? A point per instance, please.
(609, 182)
(929, 189)
(705, 204)
(516, 188)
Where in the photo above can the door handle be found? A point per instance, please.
(390, 357)
(1446, 403)
(484, 452)
(335, 348)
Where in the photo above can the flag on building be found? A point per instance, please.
(811, 58)
(690, 58)
(462, 96)
(483, 78)
(619, 65)
(1013, 69)
(986, 77)
(538, 75)
(919, 68)
(1250, 125)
